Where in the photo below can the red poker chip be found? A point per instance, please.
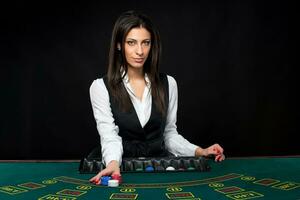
(117, 177)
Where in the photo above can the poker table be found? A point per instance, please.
(234, 178)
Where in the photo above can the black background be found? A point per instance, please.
(230, 60)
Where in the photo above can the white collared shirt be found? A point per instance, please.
(111, 142)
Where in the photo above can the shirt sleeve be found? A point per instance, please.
(175, 143)
(110, 140)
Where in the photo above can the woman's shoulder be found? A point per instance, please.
(169, 77)
(171, 80)
(98, 84)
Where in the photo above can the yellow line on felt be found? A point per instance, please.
(155, 185)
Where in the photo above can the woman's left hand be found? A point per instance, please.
(215, 150)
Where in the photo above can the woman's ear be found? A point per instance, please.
(119, 47)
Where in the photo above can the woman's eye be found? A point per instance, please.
(130, 43)
(147, 43)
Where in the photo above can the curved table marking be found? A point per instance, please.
(156, 185)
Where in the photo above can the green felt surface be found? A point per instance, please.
(201, 185)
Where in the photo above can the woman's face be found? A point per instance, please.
(137, 47)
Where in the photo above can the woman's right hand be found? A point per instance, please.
(111, 169)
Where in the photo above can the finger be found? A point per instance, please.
(93, 179)
(223, 157)
(217, 158)
(96, 179)
(220, 157)
(98, 182)
(105, 172)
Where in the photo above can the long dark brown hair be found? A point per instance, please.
(117, 60)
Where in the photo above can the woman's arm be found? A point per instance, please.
(111, 142)
(176, 143)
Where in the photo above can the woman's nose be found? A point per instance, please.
(139, 50)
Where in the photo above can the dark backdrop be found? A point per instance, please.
(230, 60)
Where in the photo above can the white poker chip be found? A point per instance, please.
(170, 168)
(113, 183)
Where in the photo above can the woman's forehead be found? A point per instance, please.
(139, 33)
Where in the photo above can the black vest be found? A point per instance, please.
(138, 141)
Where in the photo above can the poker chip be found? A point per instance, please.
(139, 169)
(170, 168)
(191, 168)
(104, 180)
(117, 177)
(113, 183)
(149, 169)
(159, 168)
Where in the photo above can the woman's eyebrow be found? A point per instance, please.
(131, 39)
(136, 40)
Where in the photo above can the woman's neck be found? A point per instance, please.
(135, 73)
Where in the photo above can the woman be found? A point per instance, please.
(135, 106)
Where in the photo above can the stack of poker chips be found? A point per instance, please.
(111, 181)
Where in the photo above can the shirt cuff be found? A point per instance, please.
(191, 150)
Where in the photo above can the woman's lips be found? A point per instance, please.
(138, 60)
